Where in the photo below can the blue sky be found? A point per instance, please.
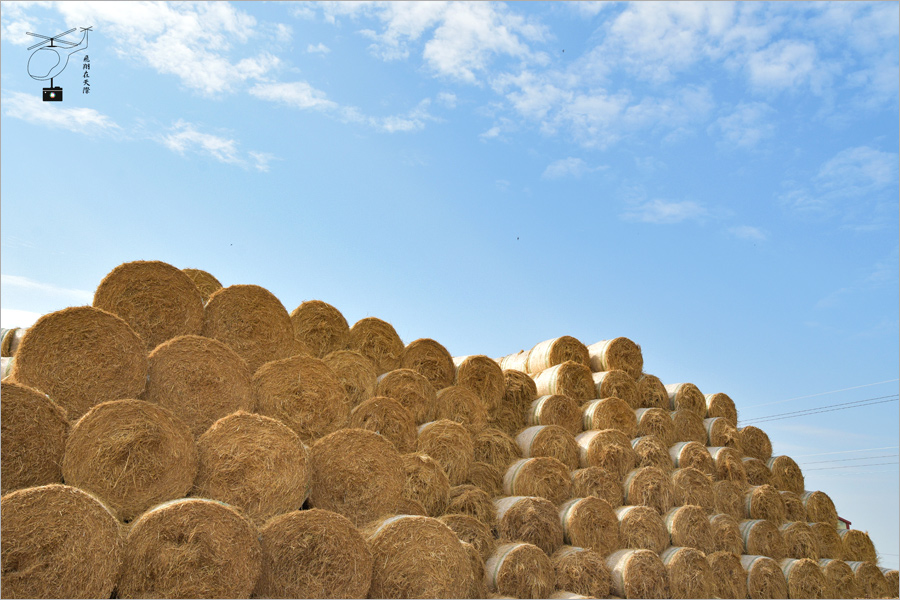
(715, 181)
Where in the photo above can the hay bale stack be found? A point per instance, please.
(755, 443)
(10, 340)
(757, 471)
(729, 465)
(206, 283)
(199, 379)
(470, 530)
(157, 300)
(81, 357)
(616, 384)
(132, 455)
(431, 360)
(786, 475)
(34, 434)
(721, 405)
(570, 379)
(892, 577)
(650, 486)
(764, 502)
(539, 476)
(496, 448)
(451, 445)
(467, 499)
(857, 546)
(356, 374)
(657, 422)
(610, 413)
(378, 341)
(720, 432)
(356, 473)
(828, 540)
(689, 573)
(482, 376)
(794, 509)
(688, 426)
(637, 574)
(405, 506)
(555, 409)
(590, 522)
(313, 554)
(819, 508)
(476, 581)
(416, 557)
(799, 540)
(689, 526)
(410, 389)
(549, 440)
(515, 362)
(519, 570)
(686, 396)
(554, 352)
(695, 455)
(487, 477)
(597, 481)
(652, 393)
(693, 487)
(805, 579)
(652, 453)
(726, 534)
(57, 541)
(581, 571)
(870, 581)
(762, 538)
(729, 580)
(519, 392)
(642, 527)
(729, 499)
(529, 519)
(321, 327)
(607, 448)
(764, 577)
(460, 404)
(387, 417)
(620, 354)
(840, 577)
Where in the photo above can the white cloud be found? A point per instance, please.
(746, 232)
(447, 99)
(29, 107)
(261, 160)
(297, 94)
(490, 134)
(566, 167)
(746, 126)
(857, 171)
(786, 64)
(25, 283)
(665, 212)
(186, 138)
(319, 48)
(11, 317)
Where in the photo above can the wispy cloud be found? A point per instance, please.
(319, 48)
(568, 167)
(29, 107)
(186, 138)
(664, 212)
(25, 283)
(297, 94)
(745, 126)
(749, 233)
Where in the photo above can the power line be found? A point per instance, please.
(821, 409)
(819, 462)
(820, 394)
(851, 466)
(847, 451)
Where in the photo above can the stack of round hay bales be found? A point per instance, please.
(542, 476)
(431, 360)
(688, 571)
(556, 410)
(649, 486)
(686, 396)
(321, 327)
(467, 499)
(597, 481)
(765, 578)
(451, 445)
(460, 404)
(470, 530)
(620, 354)
(652, 453)
(529, 519)
(482, 376)
(519, 570)
(691, 486)
(610, 413)
(377, 340)
(581, 571)
(652, 393)
(519, 392)
(410, 389)
(607, 448)
(206, 283)
(496, 448)
(570, 378)
(729, 580)
(355, 372)
(616, 384)
(590, 522)
(638, 573)
(389, 418)
(549, 440)
(726, 534)
(642, 527)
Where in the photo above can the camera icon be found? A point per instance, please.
(53, 94)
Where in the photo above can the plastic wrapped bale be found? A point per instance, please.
(377, 340)
(516, 362)
(857, 546)
(529, 519)
(570, 379)
(482, 376)
(729, 499)
(693, 454)
(764, 502)
(870, 580)
(786, 474)
(693, 487)
(805, 579)
(460, 404)
(686, 396)
(10, 340)
(689, 572)
(451, 445)
(652, 453)
(470, 530)
(520, 570)
(431, 360)
(469, 500)
(426, 483)
(652, 393)
(494, 447)
(799, 540)
(721, 405)
(819, 508)
(617, 354)
(132, 455)
(728, 576)
(321, 327)
(755, 443)
(553, 352)
(582, 571)
(650, 486)
(762, 538)
(828, 541)
(356, 374)
(642, 527)
(720, 432)
(206, 283)
(610, 413)
(764, 577)
(607, 448)
(35, 430)
(487, 477)
(6, 366)
(637, 574)
(597, 481)
(892, 577)
(689, 526)
(590, 523)
(616, 384)
(656, 422)
(387, 417)
(726, 534)
(688, 426)
(57, 542)
(410, 389)
(558, 410)
(794, 509)
(540, 476)
(840, 578)
(549, 440)
(757, 471)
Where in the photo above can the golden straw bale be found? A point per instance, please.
(616, 384)
(387, 417)
(652, 393)
(451, 445)
(199, 379)
(34, 434)
(689, 526)
(728, 575)
(693, 454)
(476, 562)
(582, 571)
(81, 357)
(642, 527)
(637, 574)
(10, 340)
(416, 557)
(157, 300)
(431, 360)
(620, 354)
(467, 499)
(515, 362)
(819, 508)
(206, 283)
(729, 465)
(794, 509)
(607, 448)
(721, 405)
(356, 374)
(556, 351)
(786, 475)
(650, 486)
(410, 389)
(555, 409)
(652, 453)
(405, 506)
(610, 413)
(755, 443)
(840, 578)
(757, 471)
(496, 448)
(321, 327)
(469, 529)
(131, 454)
(799, 540)
(688, 426)
(356, 473)
(763, 538)
(870, 580)
(57, 542)
(487, 477)
(892, 578)
(570, 379)
(764, 577)
(828, 540)
(460, 404)
(519, 392)
(857, 546)
(482, 376)
(377, 340)
(657, 422)
(538, 476)
(529, 519)
(720, 432)
(303, 393)
(549, 440)
(590, 523)
(686, 396)
(597, 481)
(691, 486)
(805, 579)
(726, 534)
(689, 573)
(520, 570)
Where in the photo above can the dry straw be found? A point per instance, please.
(570, 379)
(657, 422)
(610, 413)
(757, 471)
(467, 499)
(389, 418)
(616, 384)
(556, 351)
(755, 443)
(410, 389)
(805, 579)
(857, 546)
(57, 542)
(199, 379)
(470, 530)
(652, 393)
(764, 577)
(486, 477)
(763, 538)
(720, 432)
(689, 573)
(729, 465)
(313, 554)
(729, 580)
(642, 527)
(799, 540)
(451, 445)
(721, 405)
(476, 581)
(131, 454)
(431, 360)
(462, 405)
(794, 509)
(255, 463)
(556, 410)
(786, 475)
(689, 526)
(540, 476)
(637, 574)
(729, 499)
(688, 426)
(693, 454)
(607, 448)
(650, 486)
(686, 396)
(693, 487)
(617, 354)
(496, 448)
(416, 557)
(870, 580)
(515, 362)
(590, 523)
(34, 433)
(482, 376)
(356, 473)
(840, 576)
(531, 520)
(519, 392)
(652, 453)
(377, 340)
(81, 357)
(303, 393)
(519, 570)
(206, 283)
(549, 440)
(581, 571)
(892, 578)
(405, 506)
(356, 374)
(10, 340)
(597, 481)
(828, 540)
(726, 534)
(819, 508)
(321, 327)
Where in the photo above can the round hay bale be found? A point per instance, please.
(570, 379)
(81, 357)
(786, 475)
(303, 393)
(650, 486)
(206, 284)
(377, 340)
(794, 509)
(693, 454)
(426, 482)
(496, 448)
(356, 473)
(470, 530)
(321, 327)
(757, 471)
(729, 498)
(539, 476)
(387, 417)
(355, 372)
(467, 499)
(828, 540)
(597, 481)
(199, 379)
(755, 443)
(726, 534)
(157, 300)
(688, 426)
(720, 432)
(892, 577)
(763, 538)
(799, 540)
(555, 352)
(10, 340)
(693, 487)
(607, 448)
(805, 579)
(431, 360)
(519, 392)
(729, 465)
(451, 445)
(190, 548)
(652, 453)
(656, 422)
(487, 477)
(729, 580)
(686, 396)
(582, 571)
(33, 438)
(721, 405)
(689, 573)
(515, 362)
(870, 581)
(520, 570)
(689, 526)
(57, 542)
(416, 557)
(819, 508)
(132, 455)
(764, 577)
(857, 546)
(411, 390)
(476, 562)
(252, 321)
(405, 506)
(620, 354)
(840, 576)
(313, 554)
(652, 393)
(637, 574)
(460, 404)
(610, 413)
(616, 384)
(531, 520)
(642, 527)
(482, 376)
(764, 502)
(549, 440)
(556, 410)
(590, 523)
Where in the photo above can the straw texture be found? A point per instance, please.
(321, 327)
(431, 360)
